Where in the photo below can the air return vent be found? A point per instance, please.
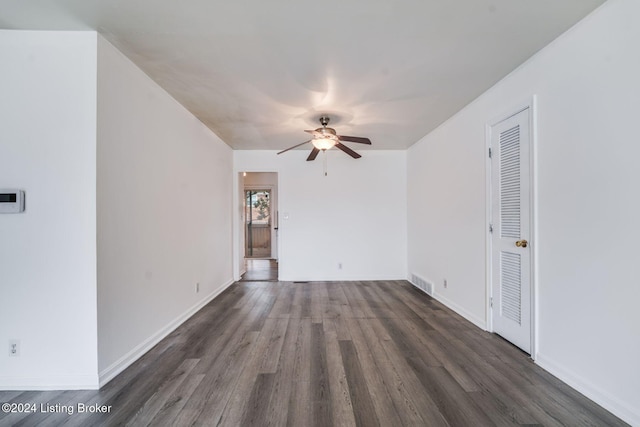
(422, 284)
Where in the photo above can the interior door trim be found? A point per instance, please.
(530, 104)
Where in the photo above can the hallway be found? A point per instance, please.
(260, 270)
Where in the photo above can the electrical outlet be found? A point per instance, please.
(197, 287)
(445, 283)
(14, 348)
(339, 266)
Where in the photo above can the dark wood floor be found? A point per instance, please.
(260, 270)
(323, 354)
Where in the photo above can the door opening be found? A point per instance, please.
(257, 225)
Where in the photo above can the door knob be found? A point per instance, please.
(521, 243)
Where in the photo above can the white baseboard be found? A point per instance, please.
(611, 403)
(138, 351)
(480, 323)
(51, 382)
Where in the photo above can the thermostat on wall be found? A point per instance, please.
(11, 201)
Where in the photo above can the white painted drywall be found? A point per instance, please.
(355, 216)
(48, 253)
(164, 212)
(587, 89)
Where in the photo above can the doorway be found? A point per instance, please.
(258, 244)
(510, 229)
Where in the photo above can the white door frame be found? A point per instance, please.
(530, 104)
(237, 220)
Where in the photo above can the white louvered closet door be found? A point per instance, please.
(510, 238)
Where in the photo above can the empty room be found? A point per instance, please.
(408, 213)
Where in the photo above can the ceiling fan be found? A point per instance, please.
(325, 138)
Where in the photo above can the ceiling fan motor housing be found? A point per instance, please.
(325, 132)
(324, 121)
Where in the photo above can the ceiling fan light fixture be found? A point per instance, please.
(323, 143)
(325, 138)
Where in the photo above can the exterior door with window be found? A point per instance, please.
(258, 223)
(511, 229)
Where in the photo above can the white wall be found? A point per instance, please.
(355, 216)
(587, 89)
(164, 212)
(48, 253)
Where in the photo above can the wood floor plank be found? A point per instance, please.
(300, 407)
(380, 391)
(504, 406)
(263, 270)
(282, 306)
(247, 295)
(418, 335)
(413, 405)
(342, 329)
(271, 353)
(376, 303)
(362, 404)
(262, 312)
(206, 404)
(155, 403)
(347, 308)
(237, 403)
(247, 375)
(304, 299)
(322, 354)
(336, 294)
(284, 378)
(258, 401)
(437, 353)
(28, 397)
(454, 403)
(230, 326)
(500, 415)
(359, 307)
(302, 359)
(319, 380)
(167, 415)
(341, 405)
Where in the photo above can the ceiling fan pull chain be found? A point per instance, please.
(324, 161)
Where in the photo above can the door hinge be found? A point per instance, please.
(491, 302)
(490, 153)
(490, 228)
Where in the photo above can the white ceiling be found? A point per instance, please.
(259, 72)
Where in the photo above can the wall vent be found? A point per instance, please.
(422, 284)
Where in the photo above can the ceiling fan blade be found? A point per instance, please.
(348, 150)
(357, 139)
(313, 155)
(313, 132)
(295, 146)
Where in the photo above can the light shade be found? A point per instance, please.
(323, 143)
